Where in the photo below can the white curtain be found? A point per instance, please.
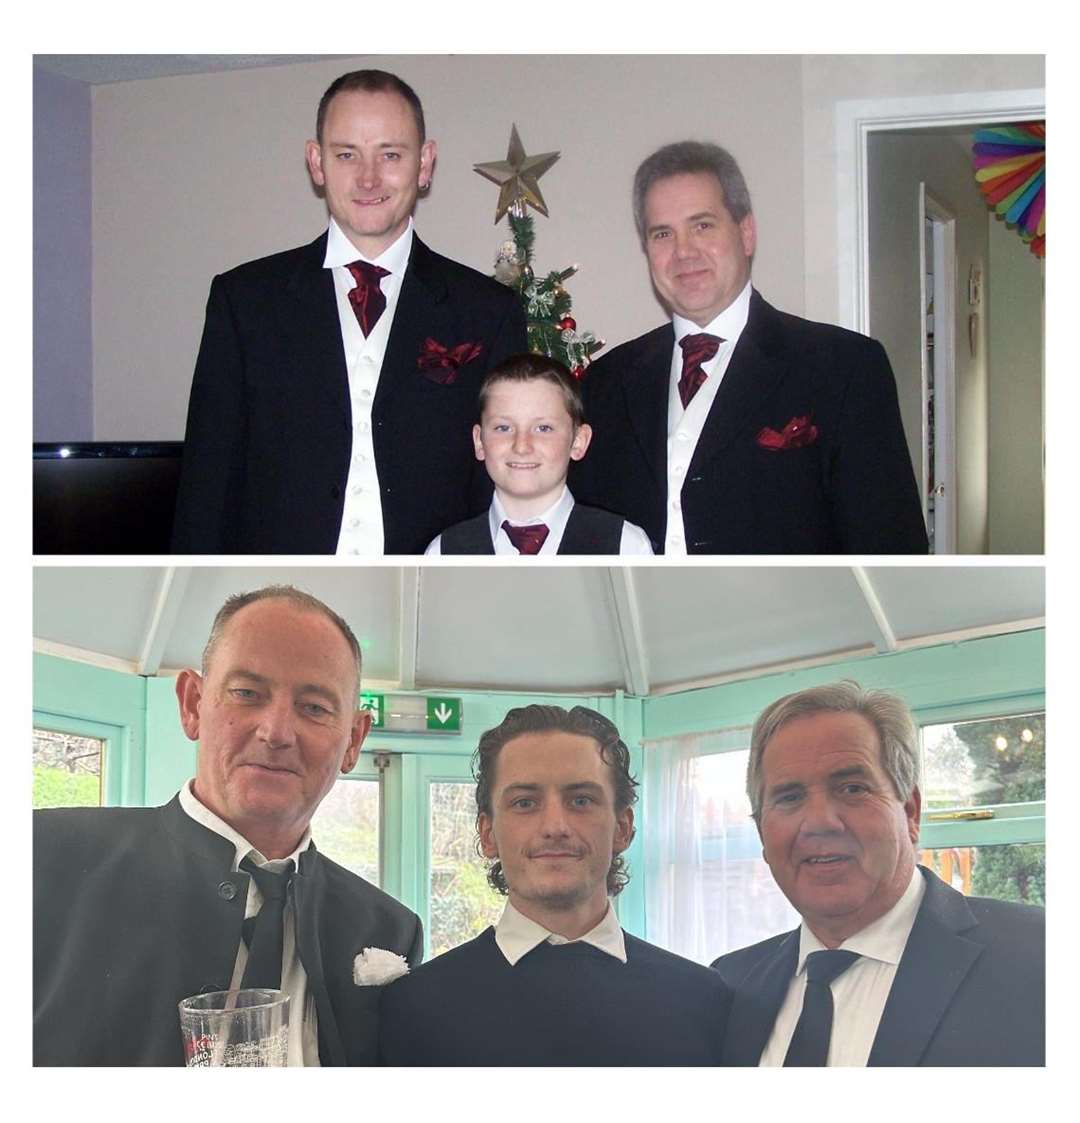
(707, 889)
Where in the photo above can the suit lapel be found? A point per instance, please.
(755, 370)
(317, 326)
(309, 889)
(757, 1001)
(645, 389)
(935, 962)
(417, 316)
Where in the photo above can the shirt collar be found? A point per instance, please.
(726, 325)
(554, 518)
(340, 251)
(517, 935)
(885, 938)
(242, 848)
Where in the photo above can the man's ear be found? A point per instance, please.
(428, 153)
(580, 444)
(361, 725)
(478, 445)
(189, 692)
(313, 155)
(913, 812)
(748, 233)
(484, 824)
(624, 830)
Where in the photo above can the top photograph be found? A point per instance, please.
(394, 305)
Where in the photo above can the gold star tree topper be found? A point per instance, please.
(517, 175)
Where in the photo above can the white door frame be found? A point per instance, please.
(944, 271)
(855, 121)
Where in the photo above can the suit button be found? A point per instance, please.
(226, 890)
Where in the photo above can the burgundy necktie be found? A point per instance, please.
(696, 349)
(367, 298)
(526, 539)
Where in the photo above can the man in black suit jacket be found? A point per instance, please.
(736, 428)
(332, 406)
(932, 977)
(138, 908)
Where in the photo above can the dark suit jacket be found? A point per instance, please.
(970, 988)
(269, 433)
(851, 490)
(137, 908)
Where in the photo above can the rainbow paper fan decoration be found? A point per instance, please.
(1010, 168)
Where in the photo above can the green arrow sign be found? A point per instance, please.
(376, 703)
(444, 714)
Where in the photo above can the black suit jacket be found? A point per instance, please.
(970, 988)
(137, 908)
(269, 433)
(851, 490)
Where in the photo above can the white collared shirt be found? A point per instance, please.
(633, 540)
(303, 1021)
(516, 935)
(361, 531)
(685, 425)
(860, 993)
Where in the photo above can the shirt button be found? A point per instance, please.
(226, 890)
(365, 393)
(679, 469)
(677, 506)
(682, 435)
(353, 524)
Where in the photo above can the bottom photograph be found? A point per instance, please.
(569, 816)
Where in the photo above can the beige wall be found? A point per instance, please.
(1015, 331)
(192, 175)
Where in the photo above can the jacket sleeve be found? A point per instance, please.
(215, 438)
(875, 501)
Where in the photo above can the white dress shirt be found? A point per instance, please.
(361, 531)
(860, 993)
(633, 540)
(685, 425)
(303, 1022)
(516, 935)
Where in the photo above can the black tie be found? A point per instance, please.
(810, 1042)
(264, 933)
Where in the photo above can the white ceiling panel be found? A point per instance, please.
(719, 621)
(543, 629)
(557, 628)
(919, 601)
(103, 609)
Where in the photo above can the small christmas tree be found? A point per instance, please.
(552, 330)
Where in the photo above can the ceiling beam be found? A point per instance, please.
(409, 626)
(886, 637)
(628, 630)
(167, 601)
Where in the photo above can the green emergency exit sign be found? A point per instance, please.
(444, 715)
(376, 703)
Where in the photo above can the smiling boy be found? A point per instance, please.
(532, 425)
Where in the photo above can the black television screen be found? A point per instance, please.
(105, 497)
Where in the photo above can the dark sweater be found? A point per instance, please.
(567, 1004)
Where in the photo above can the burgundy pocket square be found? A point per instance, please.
(797, 433)
(441, 363)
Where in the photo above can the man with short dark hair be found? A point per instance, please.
(138, 908)
(890, 966)
(557, 981)
(738, 429)
(335, 388)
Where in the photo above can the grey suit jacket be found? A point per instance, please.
(137, 908)
(970, 988)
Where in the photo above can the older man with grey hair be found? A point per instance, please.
(890, 965)
(736, 428)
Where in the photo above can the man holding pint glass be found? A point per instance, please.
(137, 909)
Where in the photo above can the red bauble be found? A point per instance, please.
(568, 323)
(578, 372)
